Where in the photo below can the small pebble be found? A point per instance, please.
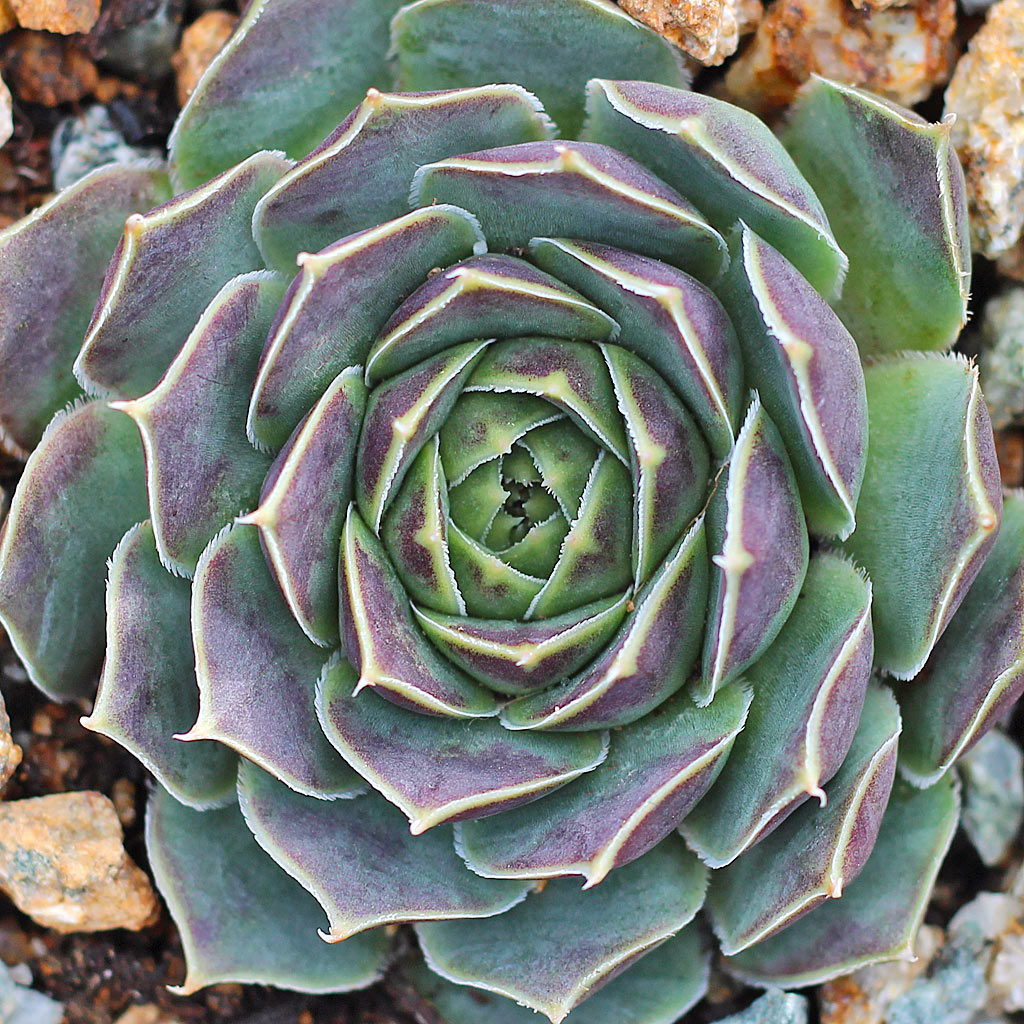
(864, 997)
(901, 52)
(6, 113)
(10, 752)
(148, 1014)
(145, 49)
(200, 43)
(993, 776)
(21, 1005)
(1001, 359)
(45, 69)
(81, 144)
(708, 30)
(987, 96)
(62, 862)
(63, 16)
(7, 18)
(774, 1007)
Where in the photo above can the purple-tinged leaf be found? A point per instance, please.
(647, 661)
(200, 470)
(667, 318)
(415, 535)
(930, 504)
(656, 771)
(303, 502)
(402, 415)
(222, 889)
(426, 879)
(809, 689)
(577, 190)
(440, 769)
(339, 302)
(725, 161)
(51, 272)
(244, 635)
(440, 44)
(757, 532)
(658, 988)
(976, 670)
(489, 296)
(55, 544)
(595, 557)
(523, 657)
(152, 296)
(667, 455)
(148, 688)
(567, 942)
(879, 915)
(817, 851)
(383, 642)
(285, 56)
(359, 175)
(890, 183)
(806, 368)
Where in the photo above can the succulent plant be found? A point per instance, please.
(494, 493)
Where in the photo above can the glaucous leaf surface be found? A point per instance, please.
(444, 44)
(890, 183)
(51, 272)
(222, 889)
(568, 940)
(274, 65)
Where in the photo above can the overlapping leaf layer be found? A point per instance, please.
(493, 498)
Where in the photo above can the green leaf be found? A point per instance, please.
(148, 688)
(437, 768)
(152, 297)
(200, 469)
(51, 272)
(568, 941)
(890, 183)
(930, 503)
(879, 915)
(808, 693)
(976, 671)
(441, 44)
(657, 989)
(725, 161)
(222, 890)
(245, 635)
(426, 880)
(285, 56)
(817, 851)
(54, 547)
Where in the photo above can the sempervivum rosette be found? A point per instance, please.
(485, 508)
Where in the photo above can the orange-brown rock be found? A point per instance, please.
(708, 30)
(10, 752)
(200, 43)
(987, 96)
(43, 68)
(902, 52)
(62, 862)
(7, 18)
(63, 16)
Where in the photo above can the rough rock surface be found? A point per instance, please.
(1001, 362)
(901, 52)
(865, 996)
(63, 16)
(10, 752)
(708, 30)
(7, 18)
(62, 862)
(993, 776)
(43, 68)
(987, 96)
(200, 43)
